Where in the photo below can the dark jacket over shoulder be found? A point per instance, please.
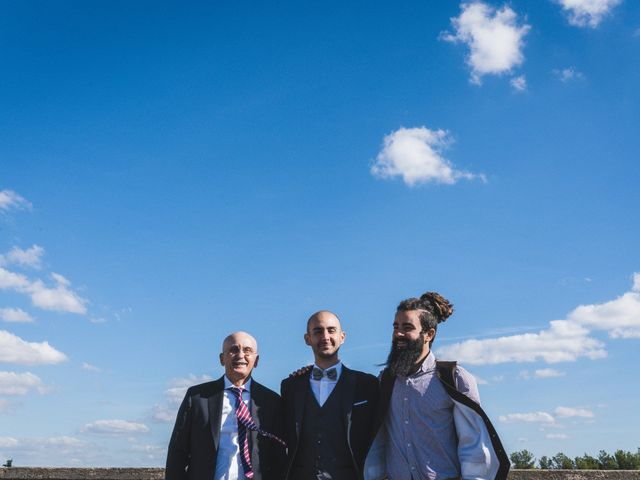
(195, 439)
(358, 407)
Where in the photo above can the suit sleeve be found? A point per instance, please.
(179, 451)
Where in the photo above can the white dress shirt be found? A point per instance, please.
(322, 388)
(228, 462)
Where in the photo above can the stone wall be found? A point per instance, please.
(29, 473)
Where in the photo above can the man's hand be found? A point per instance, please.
(301, 371)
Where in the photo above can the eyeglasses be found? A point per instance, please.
(234, 351)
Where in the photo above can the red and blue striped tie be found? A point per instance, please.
(245, 422)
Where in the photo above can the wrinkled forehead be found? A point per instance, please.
(241, 340)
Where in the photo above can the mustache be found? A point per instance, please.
(401, 360)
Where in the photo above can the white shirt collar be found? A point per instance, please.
(228, 384)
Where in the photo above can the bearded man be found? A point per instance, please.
(431, 426)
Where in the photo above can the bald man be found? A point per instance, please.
(329, 410)
(230, 428)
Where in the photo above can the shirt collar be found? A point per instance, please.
(337, 366)
(428, 364)
(228, 384)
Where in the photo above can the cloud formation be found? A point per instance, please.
(15, 315)
(494, 38)
(10, 200)
(548, 373)
(415, 154)
(519, 83)
(13, 349)
(545, 417)
(564, 340)
(31, 257)
(587, 13)
(12, 383)
(59, 297)
(568, 74)
(174, 395)
(115, 428)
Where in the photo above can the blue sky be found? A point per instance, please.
(171, 173)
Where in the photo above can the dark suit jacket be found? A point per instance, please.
(194, 443)
(359, 404)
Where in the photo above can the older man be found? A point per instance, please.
(230, 428)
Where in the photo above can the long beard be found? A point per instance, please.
(401, 360)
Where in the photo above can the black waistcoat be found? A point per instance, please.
(323, 452)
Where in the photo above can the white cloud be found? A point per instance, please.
(115, 427)
(587, 13)
(174, 395)
(8, 442)
(91, 368)
(564, 340)
(523, 375)
(12, 383)
(556, 436)
(31, 257)
(163, 414)
(619, 317)
(519, 83)
(415, 154)
(573, 412)
(533, 417)
(15, 315)
(566, 75)
(11, 200)
(494, 38)
(58, 298)
(548, 373)
(13, 349)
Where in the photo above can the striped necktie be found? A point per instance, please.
(245, 422)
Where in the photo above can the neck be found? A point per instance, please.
(421, 359)
(238, 381)
(325, 363)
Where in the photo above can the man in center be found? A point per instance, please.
(329, 410)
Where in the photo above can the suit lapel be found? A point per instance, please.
(255, 408)
(348, 380)
(215, 411)
(299, 399)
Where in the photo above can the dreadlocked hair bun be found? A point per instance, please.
(439, 305)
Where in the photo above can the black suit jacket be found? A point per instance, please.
(194, 443)
(359, 402)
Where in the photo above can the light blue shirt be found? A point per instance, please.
(421, 441)
(228, 462)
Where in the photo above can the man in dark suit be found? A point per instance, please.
(329, 410)
(230, 428)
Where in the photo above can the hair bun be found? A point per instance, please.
(440, 305)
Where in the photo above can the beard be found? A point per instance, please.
(401, 360)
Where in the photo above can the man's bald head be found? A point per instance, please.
(239, 336)
(322, 315)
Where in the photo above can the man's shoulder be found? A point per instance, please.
(259, 389)
(363, 377)
(206, 389)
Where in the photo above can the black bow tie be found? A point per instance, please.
(317, 373)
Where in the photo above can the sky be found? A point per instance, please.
(171, 172)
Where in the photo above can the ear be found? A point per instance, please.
(222, 359)
(255, 364)
(429, 334)
(307, 339)
(343, 335)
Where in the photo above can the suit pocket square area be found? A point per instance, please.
(362, 402)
